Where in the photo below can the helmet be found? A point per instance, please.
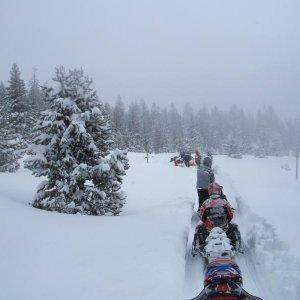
(215, 189)
(207, 161)
(223, 278)
(209, 153)
(216, 212)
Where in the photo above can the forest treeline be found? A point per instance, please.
(142, 127)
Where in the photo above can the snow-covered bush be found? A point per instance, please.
(73, 151)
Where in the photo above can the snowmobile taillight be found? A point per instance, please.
(223, 288)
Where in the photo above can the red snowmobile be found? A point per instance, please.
(223, 277)
(223, 281)
(216, 212)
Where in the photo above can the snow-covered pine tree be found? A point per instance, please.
(73, 151)
(156, 138)
(17, 108)
(119, 125)
(145, 130)
(8, 158)
(134, 128)
(175, 132)
(16, 88)
(12, 121)
(36, 104)
(2, 94)
(36, 97)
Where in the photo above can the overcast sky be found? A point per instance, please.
(208, 52)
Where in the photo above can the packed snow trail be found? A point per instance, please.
(269, 271)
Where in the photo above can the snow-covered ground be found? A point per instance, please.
(138, 255)
(141, 254)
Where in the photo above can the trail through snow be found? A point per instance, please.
(269, 270)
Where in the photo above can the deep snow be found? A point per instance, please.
(138, 255)
(141, 253)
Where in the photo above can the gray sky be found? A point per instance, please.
(208, 52)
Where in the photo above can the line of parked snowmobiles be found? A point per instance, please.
(218, 240)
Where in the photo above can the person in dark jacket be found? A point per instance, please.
(186, 156)
(205, 176)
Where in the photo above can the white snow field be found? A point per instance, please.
(143, 253)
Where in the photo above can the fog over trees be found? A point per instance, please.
(144, 127)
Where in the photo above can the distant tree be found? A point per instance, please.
(16, 89)
(169, 130)
(13, 121)
(73, 152)
(175, 130)
(2, 94)
(189, 128)
(36, 96)
(146, 129)
(118, 118)
(17, 105)
(3, 99)
(134, 128)
(36, 104)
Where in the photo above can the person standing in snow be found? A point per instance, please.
(205, 176)
(198, 158)
(186, 157)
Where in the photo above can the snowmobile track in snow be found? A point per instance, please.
(268, 269)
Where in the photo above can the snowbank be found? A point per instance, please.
(137, 255)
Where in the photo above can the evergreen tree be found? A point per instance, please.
(119, 124)
(3, 99)
(73, 152)
(175, 129)
(8, 157)
(18, 115)
(2, 94)
(13, 121)
(36, 97)
(16, 89)
(157, 130)
(207, 130)
(134, 128)
(145, 126)
(36, 104)
(189, 128)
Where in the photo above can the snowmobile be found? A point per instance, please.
(223, 278)
(177, 161)
(216, 212)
